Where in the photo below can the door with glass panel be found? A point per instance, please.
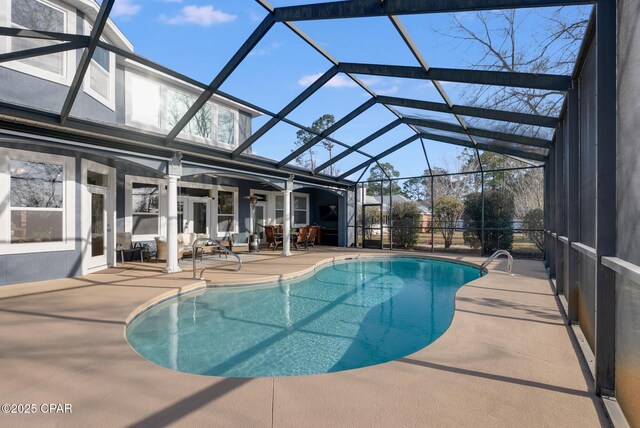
(99, 227)
(194, 215)
(98, 236)
(260, 219)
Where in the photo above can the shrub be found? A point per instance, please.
(371, 217)
(534, 219)
(447, 212)
(499, 211)
(406, 221)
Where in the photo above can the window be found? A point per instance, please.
(227, 201)
(40, 15)
(300, 217)
(36, 199)
(142, 101)
(177, 105)
(38, 190)
(145, 208)
(226, 126)
(100, 79)
(279, 209)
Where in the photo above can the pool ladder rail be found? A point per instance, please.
(495, 256)
(198, 244)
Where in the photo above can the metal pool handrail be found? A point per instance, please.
(195, 247)
(495, 256)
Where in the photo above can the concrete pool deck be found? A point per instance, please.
(506, 360)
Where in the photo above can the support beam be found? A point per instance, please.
(162, 69)
(85, 60)
(484, 113)
(286, 218)
(330, 130)
(42, 50)
(606, 192)
(101, 135)
(358, 145)
(572, 204)
(486, 147)
(172, 265)
(380, 156)
(319, 83)
(549, 82)
(501, 136)
(44, 35)
(368, 8)
(255, 37)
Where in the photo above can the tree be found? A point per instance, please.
(406, 221)
(447, 212)
(499, 212)
(308, 158)
(372, 216)
(525, 185)
(551, 48)
(416, 188)
(377, 173)
(533, 221)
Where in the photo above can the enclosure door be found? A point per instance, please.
(372, 231)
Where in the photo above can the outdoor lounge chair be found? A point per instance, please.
(270, 234)
(124, 245)
(302, 238)
(239, 241)
(161, 245)
(311, 238)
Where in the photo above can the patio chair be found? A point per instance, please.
(279, 228)
(270, 234)
(161, 249)
(239, 241)
(311, 238)
(301, 239)
(124, 245)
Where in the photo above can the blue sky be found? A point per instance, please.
(197, 37)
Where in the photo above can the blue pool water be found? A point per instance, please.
(347, 315)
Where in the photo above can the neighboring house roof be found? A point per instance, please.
(395, 199)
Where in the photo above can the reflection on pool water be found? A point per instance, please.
(349, 314)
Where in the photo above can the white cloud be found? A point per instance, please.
(124, 9)
(391, 90)
(265, 50)
(199, 15)
(338, 81)
(255, 16)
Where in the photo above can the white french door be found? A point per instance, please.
(98, 216)
(194, 215)
(99, 228)
(259, 219)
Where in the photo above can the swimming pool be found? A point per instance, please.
(348, 314)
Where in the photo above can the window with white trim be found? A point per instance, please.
(226, 126)
(40, 15)
(143, 101)
(39, 190)
(300, 210)
(227, 211)
(99, 81)
(145, 208)
(279, 209)
(177, 103)
(36, 201)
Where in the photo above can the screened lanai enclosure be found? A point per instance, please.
(441, 126)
